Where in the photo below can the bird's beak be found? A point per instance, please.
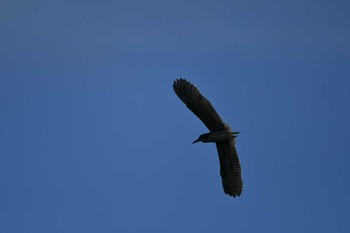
(196, 141)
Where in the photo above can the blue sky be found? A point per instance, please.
(93, 138)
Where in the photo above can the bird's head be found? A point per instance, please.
(202, 138)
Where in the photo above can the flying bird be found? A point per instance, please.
(220, 133)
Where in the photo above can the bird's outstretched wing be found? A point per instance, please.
(198, 104)
(230, 168)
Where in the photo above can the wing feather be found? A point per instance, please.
(198, 104)
(230, 168)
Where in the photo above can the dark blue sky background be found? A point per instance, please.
(93, 138)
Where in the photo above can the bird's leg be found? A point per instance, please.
(234, 132)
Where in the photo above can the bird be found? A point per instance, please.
(220, 133)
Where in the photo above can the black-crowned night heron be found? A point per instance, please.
(220, 133)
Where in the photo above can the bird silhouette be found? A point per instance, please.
(220, 133)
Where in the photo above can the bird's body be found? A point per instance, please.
(217, 136)
(220, 133)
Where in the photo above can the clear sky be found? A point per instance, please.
(93, 138)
